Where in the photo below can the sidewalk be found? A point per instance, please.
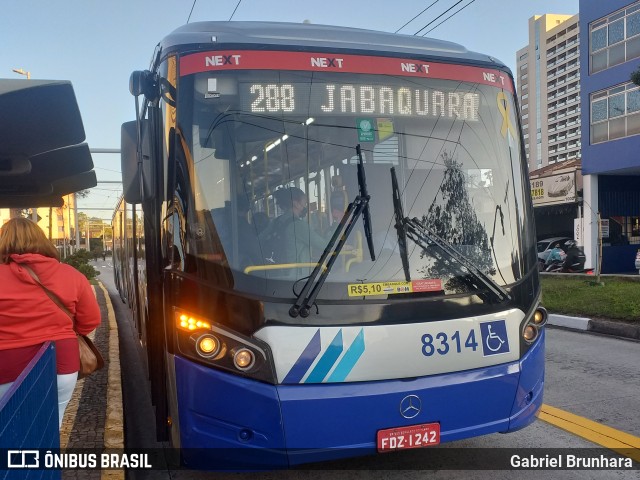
(596, 325)
(94, 416)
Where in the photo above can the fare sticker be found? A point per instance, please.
(394, 288)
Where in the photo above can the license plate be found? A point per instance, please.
(414, 436)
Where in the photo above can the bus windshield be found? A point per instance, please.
(274, 167)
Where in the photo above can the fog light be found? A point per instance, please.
(243, 359)
(530, 333)
(207, 346)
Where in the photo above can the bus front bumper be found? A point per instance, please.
(233, 423)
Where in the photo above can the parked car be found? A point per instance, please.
(638, 261)
(545, 246)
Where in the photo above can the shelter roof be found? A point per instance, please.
(42, 154)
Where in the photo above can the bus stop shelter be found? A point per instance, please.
(43, 156)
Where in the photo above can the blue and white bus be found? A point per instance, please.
(327, 239)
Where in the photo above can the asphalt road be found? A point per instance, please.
(590, 375)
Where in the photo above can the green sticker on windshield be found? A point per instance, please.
(366, 132)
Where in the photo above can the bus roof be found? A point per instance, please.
(320, 37)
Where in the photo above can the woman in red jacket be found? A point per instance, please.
(28, 317)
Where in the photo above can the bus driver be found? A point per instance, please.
(288, 239)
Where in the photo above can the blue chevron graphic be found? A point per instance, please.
(327, 361)
(349, 359)
(306, 358)
(334, 350)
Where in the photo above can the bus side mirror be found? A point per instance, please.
(144, 83)
(137, 179)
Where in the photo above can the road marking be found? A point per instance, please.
(621, 442)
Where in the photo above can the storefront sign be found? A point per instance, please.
(554, 189)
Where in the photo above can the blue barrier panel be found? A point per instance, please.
(619, 258)
(29, 416)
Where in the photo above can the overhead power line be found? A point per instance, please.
(439, 16)
(234, 10)
(416, 16)
(194, 4)
(453, 14)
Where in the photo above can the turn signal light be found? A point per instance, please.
(189, 323)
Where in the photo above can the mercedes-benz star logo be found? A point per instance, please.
(410, 406)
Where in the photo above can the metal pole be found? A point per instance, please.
(599, 250)
(75, 212)
(50, 221)
(71, 249)
(64, 234)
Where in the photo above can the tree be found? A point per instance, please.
(452, 217)
(83, 218)
(80, 261)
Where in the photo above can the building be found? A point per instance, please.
(57, 223)
(548, 78)
(609, 53)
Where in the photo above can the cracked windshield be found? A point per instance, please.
(275, 169)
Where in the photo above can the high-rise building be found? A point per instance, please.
(609, 55)
(548, 80)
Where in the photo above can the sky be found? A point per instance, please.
(97, 44)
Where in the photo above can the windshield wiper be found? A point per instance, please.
(424, 237)
(401, 226)
(360, 206)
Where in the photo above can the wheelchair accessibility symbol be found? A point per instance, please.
(494, 338)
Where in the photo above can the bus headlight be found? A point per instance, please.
(530, 333)
(208, 346)
(202, 340)
(533, 326)
(540, 316)
(243, 359)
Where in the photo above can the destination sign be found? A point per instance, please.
(357, 99)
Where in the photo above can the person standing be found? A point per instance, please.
(28, 317)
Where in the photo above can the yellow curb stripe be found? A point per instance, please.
(114, 424)
(624, 443)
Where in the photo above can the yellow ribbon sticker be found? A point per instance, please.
(505, 111)
(385, 128)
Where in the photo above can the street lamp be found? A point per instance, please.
(20, 71)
